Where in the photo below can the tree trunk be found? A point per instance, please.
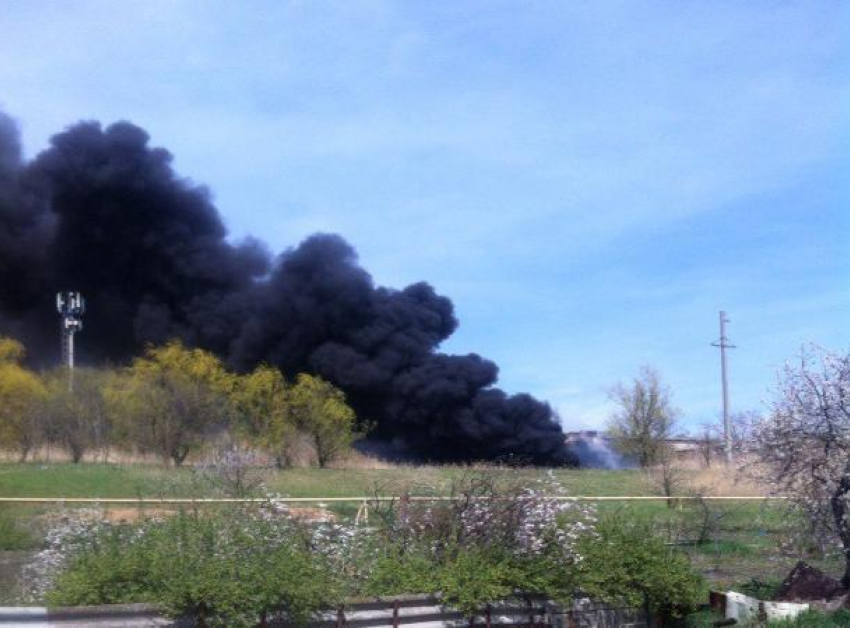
(839, 505)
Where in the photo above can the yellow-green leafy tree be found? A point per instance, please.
(264, 414)
(21, 395)
(173, 399)
(319, 410)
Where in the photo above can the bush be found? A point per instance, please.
(494, 539)
(474, 578)
(115, 567)
(396, 573)
(13, 536)
(225, 570)
(229, 567)
(626, 562)
(467, 579)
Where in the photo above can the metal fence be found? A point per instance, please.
(408, 611)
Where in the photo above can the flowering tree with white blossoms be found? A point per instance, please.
(518, 517)
(805, 442)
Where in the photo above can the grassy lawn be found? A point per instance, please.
(811, 619)
(86, 480)
(139, 480)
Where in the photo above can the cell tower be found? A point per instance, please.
(71, 307)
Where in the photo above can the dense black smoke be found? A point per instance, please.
(103, 213)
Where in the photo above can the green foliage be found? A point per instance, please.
(117, 567)
(230, 574)
(54, 479)
(228, 567)
(80, 418)
(760, 589)
(814, 619)
(221, 570)
(173, 398)
(468, 578)
(473, 578)
(396, 573)
(21, 394)
(13, 534)
(644, 418)
(702, 619)
(318, 409)
(729, 547)
(263, 416)
(628, 563)
(272, 413)
(11, 351)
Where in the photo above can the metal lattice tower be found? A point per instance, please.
(71, 307)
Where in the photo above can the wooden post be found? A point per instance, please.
(530, 612)
(395, 614)
(762, 617)
(340, 618)
(487, 620)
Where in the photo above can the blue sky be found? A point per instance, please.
(590, 182)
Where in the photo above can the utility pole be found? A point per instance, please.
(724, 344)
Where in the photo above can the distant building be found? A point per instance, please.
(595, 448)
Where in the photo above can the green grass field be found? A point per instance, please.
(138, 480)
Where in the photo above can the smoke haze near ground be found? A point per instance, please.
(102, 212)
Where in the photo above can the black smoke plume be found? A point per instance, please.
(102, 212)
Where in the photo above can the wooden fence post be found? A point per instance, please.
(340, 618)
(395, 614)
(487, 619)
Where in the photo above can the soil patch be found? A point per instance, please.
(806, 583)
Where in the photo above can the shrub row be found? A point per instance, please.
(230, 567)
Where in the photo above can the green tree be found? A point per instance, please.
(319, 410)
(264, 415)
(21, 395)
(644, 418)
(79, 418)
(173, 398)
